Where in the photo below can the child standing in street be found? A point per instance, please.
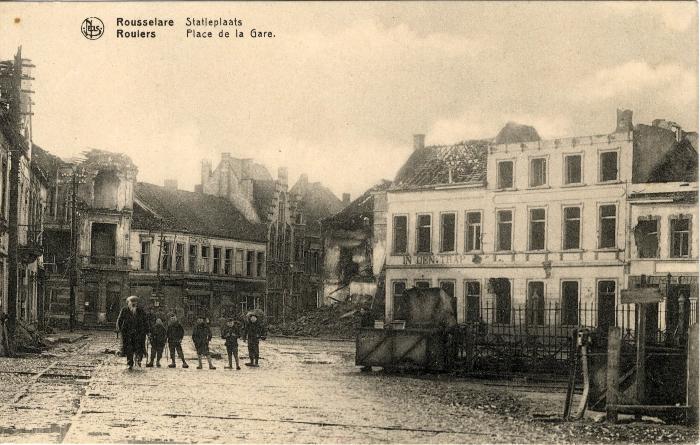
(201, 336)
(254, 332)
(158, 337)
(175, 333)
(230, 333)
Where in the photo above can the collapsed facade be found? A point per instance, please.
(522, 222)
(349, 249)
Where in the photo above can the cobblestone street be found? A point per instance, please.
(304, 391)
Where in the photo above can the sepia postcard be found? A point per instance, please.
(349, 222)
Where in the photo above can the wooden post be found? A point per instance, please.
(692, 384)
(641, 351)
(613, 371)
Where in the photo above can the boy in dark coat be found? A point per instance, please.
(230, 333)
(133, 325)
(201, 336)
(158, 338)
(254, 332)
(174, 335)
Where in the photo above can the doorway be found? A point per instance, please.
(676, 292)
(114, 299)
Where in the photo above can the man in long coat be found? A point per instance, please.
(132, 323)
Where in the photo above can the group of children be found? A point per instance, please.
(252, 332)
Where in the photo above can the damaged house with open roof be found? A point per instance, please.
(556, 227)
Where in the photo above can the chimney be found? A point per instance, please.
(171, 184)
(205, 172)
(282, 175)
(418, 141)
(624, 121)
(346, 198)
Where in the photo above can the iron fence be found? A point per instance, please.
(538, 337)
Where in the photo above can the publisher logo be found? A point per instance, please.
(92, 28)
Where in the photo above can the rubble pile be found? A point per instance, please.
(335, 321)
(28, 338)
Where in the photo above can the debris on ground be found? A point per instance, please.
(338, 320)
(28, 338)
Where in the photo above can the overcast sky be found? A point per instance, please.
(341, 89)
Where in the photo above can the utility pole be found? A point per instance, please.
(16, 153)
(74, 250)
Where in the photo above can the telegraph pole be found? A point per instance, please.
(74, 251)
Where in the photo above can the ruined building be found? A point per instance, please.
(290, 216)
(349, 249)
(87, 239)
(563, 224)
(23, 188)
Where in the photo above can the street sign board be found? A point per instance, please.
(641, 295)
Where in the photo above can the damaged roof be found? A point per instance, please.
(316, 202)
(430, 166)
(679, 164)
(195, 213)
(514, 133)
(353, 216)
(48, 163)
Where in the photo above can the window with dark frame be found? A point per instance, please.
(569, 302)
(538, 172)
(261, 264)
(608, 226)
(505, 174)
(472, 291)
(473, 238)
(502, 290)
(216, 266)
(204, 267)
(399, 305)
(505, 230)
(249, 263)
(572, 169)
(165, 255)
(646, 238)
(145, 255)
(572, 228)
(449, 287)
(179, 257)
(422, 284)
(447, 232)
(228, 261)
(680, 237)
(535, 303)
(538, 229)
(239, 262)
(608, 166)
(193, 258)
(423, 234)
(400, 245)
